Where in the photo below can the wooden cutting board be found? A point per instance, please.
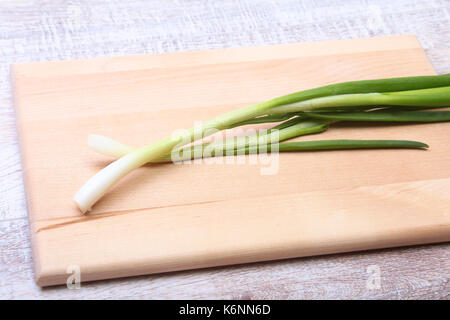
(173, 217)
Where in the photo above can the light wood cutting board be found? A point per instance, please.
(174, 217)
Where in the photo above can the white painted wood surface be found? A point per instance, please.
(55, 30)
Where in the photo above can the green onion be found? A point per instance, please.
(191, 153)
(435, 97)
(349, 94)
(395, 116)
(304, 146)
(287, 130)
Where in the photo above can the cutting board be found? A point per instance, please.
(170, 217)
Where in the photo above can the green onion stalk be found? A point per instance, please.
(191, 152)
(287, 130)
(422, 91)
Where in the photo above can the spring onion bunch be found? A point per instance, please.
(304, 112)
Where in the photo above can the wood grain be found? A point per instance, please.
(217, 214)
(54, 30)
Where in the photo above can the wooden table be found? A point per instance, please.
(54, 30)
